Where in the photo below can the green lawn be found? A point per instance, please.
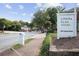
(17, 46)
(28, 40)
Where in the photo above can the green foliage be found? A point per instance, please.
(23, 23)
(50, 30)
(12, 25)
(16, 26)
(46, 20)
(46, 44)
(2, 23)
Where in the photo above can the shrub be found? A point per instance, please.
(45, 45)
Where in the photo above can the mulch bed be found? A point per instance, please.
(65, 46)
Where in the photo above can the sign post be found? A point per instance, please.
(22, 38)
(66, 25)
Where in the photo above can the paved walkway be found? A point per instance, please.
(30, 49)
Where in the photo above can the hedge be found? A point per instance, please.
(45, 45)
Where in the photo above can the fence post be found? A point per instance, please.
(58, 13)
(75, 11)
(22, 38)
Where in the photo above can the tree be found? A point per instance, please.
(22, 23)
(2, 23)
(16, 26)
(45, 20)
(8, 24)
(53, 18)
(11, 25)
(40, 20)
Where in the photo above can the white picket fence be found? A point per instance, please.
(8, 40)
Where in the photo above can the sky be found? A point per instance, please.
(25, 11)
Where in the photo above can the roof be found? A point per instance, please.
(71, 10)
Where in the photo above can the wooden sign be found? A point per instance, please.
(66, 25)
